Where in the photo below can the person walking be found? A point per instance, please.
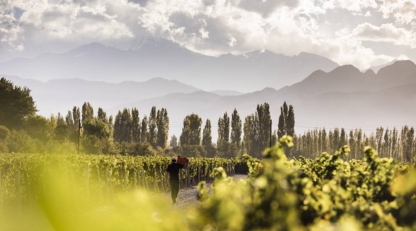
(173, 170)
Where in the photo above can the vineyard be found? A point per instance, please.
(329, 192)
(103, 175)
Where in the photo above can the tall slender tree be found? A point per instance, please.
(135, 125)
(206, 137)
(152, 127)
(191, 131)
(223, 129)
(290, 121)
(236, 131)
(162, 127)
(143, 130)
(87, 111)
(101, 115)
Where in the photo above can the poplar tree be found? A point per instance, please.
(117, 132)
(324, 141)
(143, 130)
(342, 138)
(206, 137)
(394, 142)
(126, 125)
(135, 125)
(281, 125)
(408, 150)
(162, 127)
(152, 127)
(351, 143)
(173, 141)
(286, 124)
(69, 119)
(191, 131)
(195, 129)
(87, 111)
(248, 134)
(207, 140)
(61, 129)
(186, 132)
(387, 142)
(336, 140)
(330, 141)
(223, 129)
(264, 121)
(290, 122)
(101, 115)
(236, 128)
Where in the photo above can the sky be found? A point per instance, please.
(362, 33)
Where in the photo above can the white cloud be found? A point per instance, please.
(326, 27)
(385, 33)
(10, 30)
(403, 11)
(232, 42)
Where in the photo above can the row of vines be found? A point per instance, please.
(98, 178)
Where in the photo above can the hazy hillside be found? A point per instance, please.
(344, 97)
(149, 57)
(322, 99)
(61, 95)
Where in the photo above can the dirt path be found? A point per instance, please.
(187, 197)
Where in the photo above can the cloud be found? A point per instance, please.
(265, 7)
(385, 33)
(332, 28)
(232, 42)
(9, 28)
(403, 11)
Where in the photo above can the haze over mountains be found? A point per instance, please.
(61, 95)
(329, 96)
(344, 97)
(150, 57)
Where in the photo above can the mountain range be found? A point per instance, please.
(149, 57)
(61, 95)
(344, 97)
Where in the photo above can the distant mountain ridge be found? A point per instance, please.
(61, 95)
(150, 57)
(327, 99)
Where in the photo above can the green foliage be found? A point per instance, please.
(96, 127)
(257, 130)
(87, 112)
(173, 142)
(236, 127)
(4, 133)
(192, 151)
(312, 194)
(162, 125)
(152, 127)
(20, 141)
(191, 131)
(286, 124)
(39, 127)
(223, 129)
(324, 193)
(227, 150)
(207, 137)
(16, 104)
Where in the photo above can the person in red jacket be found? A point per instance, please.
(173, 170)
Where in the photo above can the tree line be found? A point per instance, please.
(21, 130)
(394, 143)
